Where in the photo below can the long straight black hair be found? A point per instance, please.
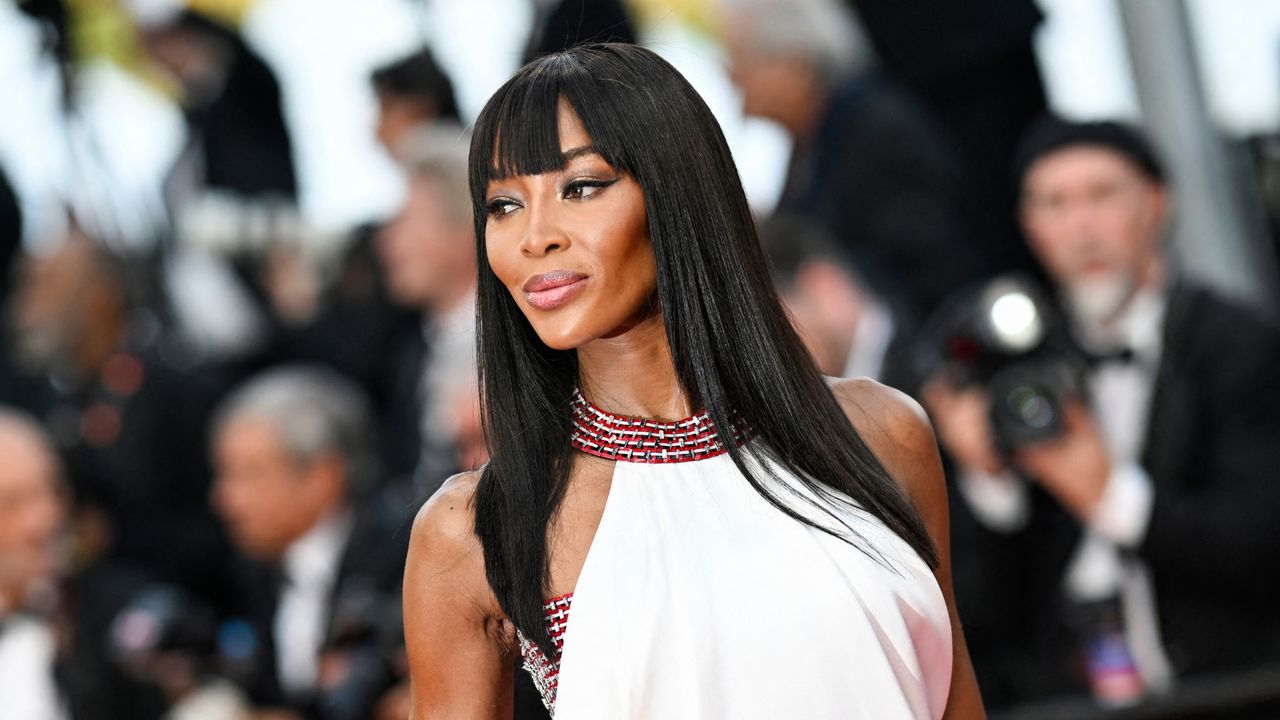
(734, 350)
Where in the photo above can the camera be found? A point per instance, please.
(358, 661)
(160, 619)
(1006, 337)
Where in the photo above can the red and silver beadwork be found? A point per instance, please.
(546, 671)
(640, 440)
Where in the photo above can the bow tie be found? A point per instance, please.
(1115, 356)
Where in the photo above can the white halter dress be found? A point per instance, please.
(698, 599)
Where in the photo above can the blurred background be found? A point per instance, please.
(237, 269)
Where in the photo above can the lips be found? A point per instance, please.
(553, 289)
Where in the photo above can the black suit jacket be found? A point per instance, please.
(1213, 454)
(880, 177)
(364, 635)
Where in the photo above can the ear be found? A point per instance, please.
(1161, 204)
(1024, 220)
(328, 475)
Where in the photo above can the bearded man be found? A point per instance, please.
(1161, 494)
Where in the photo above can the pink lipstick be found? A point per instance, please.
(553, 289)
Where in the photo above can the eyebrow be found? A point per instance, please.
(575, 153)
(572, 154)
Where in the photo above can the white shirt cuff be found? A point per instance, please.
(1124, 512)
(999, 501)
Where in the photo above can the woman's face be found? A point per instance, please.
(572, 245)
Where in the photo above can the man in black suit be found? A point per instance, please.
(323, 566)
(869, 163)
(1161, 493)
(973, 64)
(847, 329)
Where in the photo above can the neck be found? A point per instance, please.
(1154, 275)
(10, 599)
(801, 114)
(1151, 279)
(845, 325)
(632, 373)
(836, 357)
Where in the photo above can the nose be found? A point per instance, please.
(544, 234)
(1077, 218)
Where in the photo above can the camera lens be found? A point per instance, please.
(1031, 405)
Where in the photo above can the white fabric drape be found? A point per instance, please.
(698, 599)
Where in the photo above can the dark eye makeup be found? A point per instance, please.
(582, 188)
(498, 207)
(576, 189)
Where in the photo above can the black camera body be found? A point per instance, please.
(1007, 338)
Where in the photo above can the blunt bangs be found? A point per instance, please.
(518, 132)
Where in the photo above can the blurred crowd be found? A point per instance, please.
(212, 449)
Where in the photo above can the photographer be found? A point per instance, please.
(1157, 497)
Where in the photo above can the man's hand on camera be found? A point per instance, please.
(1075, 467)
(961, 418)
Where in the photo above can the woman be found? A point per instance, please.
(767, 556)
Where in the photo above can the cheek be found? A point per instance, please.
(623, 239)
(1046, 241)
(229, 497)
(627, 255)
(499, 257)
(1144, 229)
(8, 521)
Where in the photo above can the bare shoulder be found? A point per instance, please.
(443, 541)
(457, 641)
(892, 423)
(898, 431)
(449, 515)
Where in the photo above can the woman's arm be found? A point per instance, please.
(898, 432)
(455, 633)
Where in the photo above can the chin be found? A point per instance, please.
(253, 547)
(1099, 298)
(559, 338)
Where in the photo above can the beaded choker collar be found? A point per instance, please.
(640, 440)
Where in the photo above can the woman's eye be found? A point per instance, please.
(582, 189)
(500, 207)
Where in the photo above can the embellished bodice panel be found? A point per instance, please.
(545, 671)
(699, 598)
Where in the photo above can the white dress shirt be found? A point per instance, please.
(451, 366)
(310, 570)
(870, 341)
(1121, 395)
(448, 380)
(27, 689)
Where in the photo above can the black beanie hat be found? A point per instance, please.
(1050, 134)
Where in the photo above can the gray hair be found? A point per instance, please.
(823, 32)
(314, 410)
(438, 152)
